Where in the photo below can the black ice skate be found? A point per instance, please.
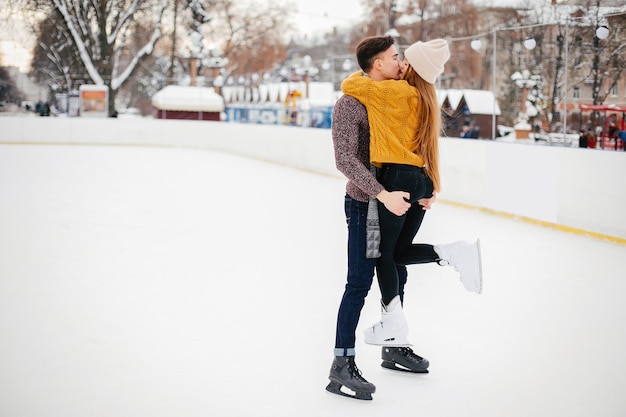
(344, 373)
(404, 359)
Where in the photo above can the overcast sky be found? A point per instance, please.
(322, 15)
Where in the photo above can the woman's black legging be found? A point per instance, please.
(397, 232)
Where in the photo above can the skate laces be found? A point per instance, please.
(356, 372)
(407, 351)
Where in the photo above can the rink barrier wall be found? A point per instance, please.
(576, 190)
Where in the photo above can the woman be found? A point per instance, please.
(404, 118)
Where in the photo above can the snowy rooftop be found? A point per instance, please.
(186, 98)
(478, 101)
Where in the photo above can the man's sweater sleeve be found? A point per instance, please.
(351, 154)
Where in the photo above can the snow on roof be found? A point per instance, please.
(454, 97)
(441, 96)
(477, 101)
(187, 98)
(480, 102)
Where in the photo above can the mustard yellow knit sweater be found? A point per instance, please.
(393, 117)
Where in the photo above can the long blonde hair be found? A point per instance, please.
(429, 118)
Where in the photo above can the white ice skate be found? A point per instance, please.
(392, 329)
(465, 258)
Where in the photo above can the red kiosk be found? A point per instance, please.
(609, 138)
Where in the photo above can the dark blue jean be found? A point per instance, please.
(359, 280)
(397, 232)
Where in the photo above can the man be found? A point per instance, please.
(378, 58)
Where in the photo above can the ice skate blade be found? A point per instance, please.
(394, 367)
(480, 268)
(335, 388)
(389, 343)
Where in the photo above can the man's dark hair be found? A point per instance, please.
(368, 49)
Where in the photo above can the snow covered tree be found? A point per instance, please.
(596, 60)
(192, 15)
(110, 38)
(250, 34)
(8, 90)
(54, 62)
(595, 63)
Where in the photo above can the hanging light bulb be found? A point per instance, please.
(602, 32)
(476, 44)
(530, 43)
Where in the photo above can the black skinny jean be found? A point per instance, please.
(397, 232)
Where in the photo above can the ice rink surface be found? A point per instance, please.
(160, 282)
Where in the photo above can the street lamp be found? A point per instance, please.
(530, 44)
(307, 70)
(216, 62)
(329, 65)
(347, 65)
(523, 80)
(218, 83)
(602, 32)
(307, 63)
(476, 44)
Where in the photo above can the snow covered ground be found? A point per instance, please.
(148, 282)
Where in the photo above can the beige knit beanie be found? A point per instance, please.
(428, 58)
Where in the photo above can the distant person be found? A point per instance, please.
(582, 139)
(475, 132)
(622, 137)
(612, 132)
(592, 140)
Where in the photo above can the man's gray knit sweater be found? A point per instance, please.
(351, 138)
